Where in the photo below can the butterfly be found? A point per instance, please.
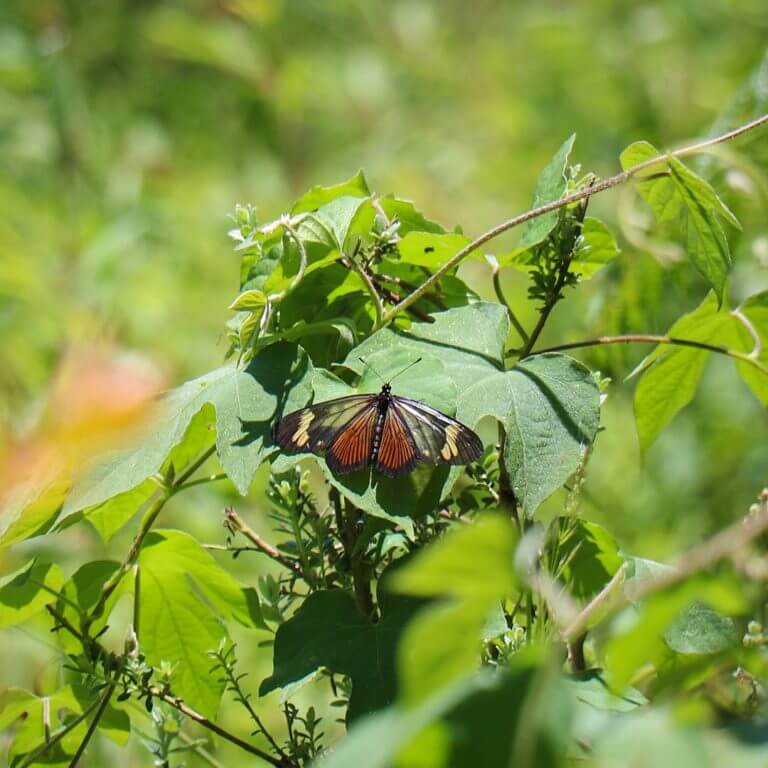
(384, 431)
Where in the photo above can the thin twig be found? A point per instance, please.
(181, 706)
(642, 338)
(727, 543)
(237, 523)
(92, 726)
(581, 194)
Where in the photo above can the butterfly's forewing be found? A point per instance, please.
(351, 449)
(397, 450)
(438, 438)
(313, 429)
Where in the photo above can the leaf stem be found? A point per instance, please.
(496, 276)
(600, 186)
(146, 524)
(92, 726)
(652, 339)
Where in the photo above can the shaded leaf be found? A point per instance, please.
(27, 592)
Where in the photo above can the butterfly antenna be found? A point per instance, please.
(368, 365)
(410, 365)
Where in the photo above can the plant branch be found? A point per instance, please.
(582, 194)
(642, 338)
(236, 523)
(185, 709)
(725, 544)
(92, 726)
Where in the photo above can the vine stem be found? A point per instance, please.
(496, 277)
(582, 194)
(743, 357)
(237, 523)
(727, 543)
(92, 727)
(370, 287)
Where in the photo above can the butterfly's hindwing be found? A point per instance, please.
(397, 450)
(439, 439)
(313, 429)
(351, 449)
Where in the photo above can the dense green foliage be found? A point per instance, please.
(492, 614)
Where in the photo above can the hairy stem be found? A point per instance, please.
(743, 357)
(582, 194)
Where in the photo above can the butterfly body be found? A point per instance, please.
(384, 431)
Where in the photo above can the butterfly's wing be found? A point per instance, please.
(351, 448)
(397, 450)
(315, 428)
(437, 438)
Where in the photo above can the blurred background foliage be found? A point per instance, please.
(130, 129)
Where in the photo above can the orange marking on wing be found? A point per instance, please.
(354, 441)
(396, 449)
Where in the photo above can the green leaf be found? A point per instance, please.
(592, 557)
(31, 514)
(246, 403)
(474, 566)
(430, 250)
(642, 631)
(84, 589)
(701, 630)
(185, 595)
(329, 631)
(672, 373)
(479, 720)
(685, 196)
(411, 219)
(108, 518)
(467, 356)
(594, 249)
(340, 215)
(550, 186)
(318, 196)
(27, 591)
(248, 301)
(550, 408)
(473, 562)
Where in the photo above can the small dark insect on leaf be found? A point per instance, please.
(429, 249)
(384, 431)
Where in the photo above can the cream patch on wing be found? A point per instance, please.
(449, 450)
(301, 435)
